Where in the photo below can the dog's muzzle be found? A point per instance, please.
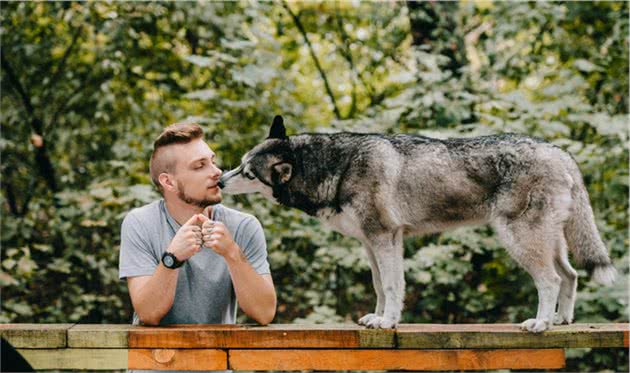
(221, 184)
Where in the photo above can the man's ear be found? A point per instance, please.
(166, 181)
(277, 130)
(281, 173)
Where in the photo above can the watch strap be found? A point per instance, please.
(176, 263)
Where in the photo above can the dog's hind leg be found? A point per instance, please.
(378, 287)
(388, 252)
(568, 286)
(532, 245)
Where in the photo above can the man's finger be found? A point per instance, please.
(203, 218)
(193, 220)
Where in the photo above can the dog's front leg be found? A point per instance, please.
(388, 252)
(378, 286)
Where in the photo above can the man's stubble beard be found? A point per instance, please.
(182, 195)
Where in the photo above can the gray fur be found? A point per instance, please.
(379, 188)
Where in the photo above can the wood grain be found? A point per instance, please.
(99, 336)
(76, 359)
(510, 336)
(272, 336)
(35, 335)
(395, 359)
(172, 359)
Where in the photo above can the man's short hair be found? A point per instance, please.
(178, 133)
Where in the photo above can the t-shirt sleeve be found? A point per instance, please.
(136, 258)
(255, 245)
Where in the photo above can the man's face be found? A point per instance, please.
(196, 176)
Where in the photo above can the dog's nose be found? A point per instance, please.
(220, 184)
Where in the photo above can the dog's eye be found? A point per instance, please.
(249, 175)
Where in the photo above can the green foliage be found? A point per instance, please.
(86, 87)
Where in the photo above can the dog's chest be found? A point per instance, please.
(345, 222)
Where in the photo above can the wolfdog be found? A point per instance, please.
(379, 188)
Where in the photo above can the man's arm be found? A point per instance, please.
(255, 293)
(152, 296)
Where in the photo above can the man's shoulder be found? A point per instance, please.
(145, 214)
(233, 216)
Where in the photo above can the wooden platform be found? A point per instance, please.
(304, 347)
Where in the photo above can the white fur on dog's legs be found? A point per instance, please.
(568, 286)
(533, 246)
(378, 288)
(388, 252)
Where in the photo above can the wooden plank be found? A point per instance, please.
(99, 336)
(395, 359)
(247, 336)
(168, 359)
(470, 336)
(76, 359)
(35, 335)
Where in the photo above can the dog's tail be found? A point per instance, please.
(581, 233)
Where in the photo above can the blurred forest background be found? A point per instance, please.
(86, 87)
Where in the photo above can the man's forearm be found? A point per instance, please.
(256, 295)
(155, 297)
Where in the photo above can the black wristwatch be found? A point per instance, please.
(170, 261)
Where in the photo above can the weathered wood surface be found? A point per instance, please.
(76, 358)
(344, 336)
(272, 336)
(169, 359)
(35, 335)
(99, 336)
(304, 347)
(395, 359)
(510, 336)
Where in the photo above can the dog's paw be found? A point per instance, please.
(535, 325)
(559, 319)
(365, 320)
(378, 322)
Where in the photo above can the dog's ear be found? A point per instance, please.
(277, 129)
(281, 173)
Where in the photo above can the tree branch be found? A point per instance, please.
(300, 27)
(42, 159)
(15, 83)
(347, 54)
(8, 191)
(62, 64)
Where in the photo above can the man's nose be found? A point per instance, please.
(216, 172)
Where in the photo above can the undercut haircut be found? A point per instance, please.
(178, 133)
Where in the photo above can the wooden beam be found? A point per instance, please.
(99, 336)
(35, 335)
(168, 359)
(76, 358)
(272, 336)
(395, 359)
(510, 336)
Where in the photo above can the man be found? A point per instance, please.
(188, 259)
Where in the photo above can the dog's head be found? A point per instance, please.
(266, 167)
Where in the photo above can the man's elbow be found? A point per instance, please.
(150, 319)
(267, 314)
(267, 317)
(150, 322)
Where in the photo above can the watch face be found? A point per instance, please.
(168, 261)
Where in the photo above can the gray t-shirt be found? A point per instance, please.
(204, 293)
